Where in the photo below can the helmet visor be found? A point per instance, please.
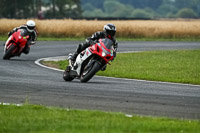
(31, 27)
(111, 32)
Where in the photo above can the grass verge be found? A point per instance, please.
(40, 119)
(180, 66)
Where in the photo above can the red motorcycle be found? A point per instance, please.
(15, 44)
(90, 61)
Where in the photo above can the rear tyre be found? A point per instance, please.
(66, 75)
(8, 53)
(90, 72)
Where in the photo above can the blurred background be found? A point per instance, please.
(99, 9)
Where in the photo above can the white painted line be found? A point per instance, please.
(11, 104)
(47, 59)
(149, 81)
(127, 115)
(58, 58)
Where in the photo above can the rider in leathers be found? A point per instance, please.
(30, 27)
(109, 31)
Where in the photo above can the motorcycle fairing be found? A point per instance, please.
(102, 51)
(6, 44)
(80, 59)
(19, 39)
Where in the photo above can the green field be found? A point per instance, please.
(181, 66)
(40, 119)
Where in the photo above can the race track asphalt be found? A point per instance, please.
(22, 80)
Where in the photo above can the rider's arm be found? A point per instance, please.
(33, 37)
(115, 45)
(15, 29)
(12, 31)
(95, 36)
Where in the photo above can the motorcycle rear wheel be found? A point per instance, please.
(90, 73)
(8, 52)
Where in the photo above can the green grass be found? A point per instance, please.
(181, 66)
(40, 119)
(4, 38)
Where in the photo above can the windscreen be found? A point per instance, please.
(24, 32)
(108, 43)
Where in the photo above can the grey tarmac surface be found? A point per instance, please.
(21, 79)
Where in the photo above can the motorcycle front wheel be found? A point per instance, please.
(8, 53)
(90, 72)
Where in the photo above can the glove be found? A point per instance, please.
(114, 54)
(32, 43)
(9, 34)
(115, 45)
(90, 41)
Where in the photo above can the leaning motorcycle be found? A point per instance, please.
(15, 44)
(90, 61)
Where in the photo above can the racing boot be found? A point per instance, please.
(73, 57)
(26, 49)
(81, 47)
(103, 68)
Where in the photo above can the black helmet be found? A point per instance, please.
(110, 30)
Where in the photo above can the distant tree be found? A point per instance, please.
(166, 9)
(151, 12)
(112, 6)
(154, 4)
(76, 10)
(16, 8)
(186, 13)
(171, 15)
(196, 6)
(64, 9)
(95, 3)
(99, 13)
(61, 4)
(160, 8)
(123, 12)
(139, 13)
(94, 13)
(183, 3)
(116, 9)
(193, 4)
(88, 7)
(88, 13)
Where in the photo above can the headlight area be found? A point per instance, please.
(103, 54)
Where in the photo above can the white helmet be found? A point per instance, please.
(30, 25)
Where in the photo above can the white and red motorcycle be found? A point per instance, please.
(90, 61)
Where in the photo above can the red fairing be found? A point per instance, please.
(101, 50)
(18, 40)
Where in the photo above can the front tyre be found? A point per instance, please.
(66, 75)
(90, 72)
(8, 53)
